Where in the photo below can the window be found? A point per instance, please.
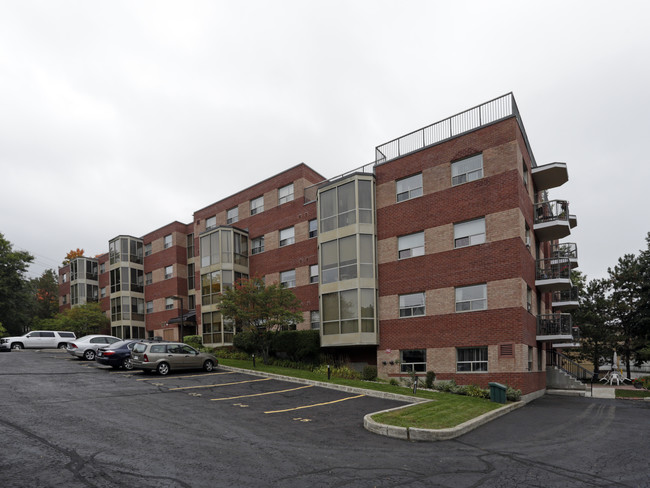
(470, 298)
(169, 303)
(471, 359)
(103, 292)
(190, 276)
(529, 299)
(64, 278)
(412, 305)
(169, 270)
(190, 246)
(466, 170)
(337, 207)
(211, 223)
(149, 307)
(313, 273)
(525, 173)
(411, 245)
(257, 205)
(148, 278)
(257, 245)
(287, 236)
(530, 358)
(102, 268)
(413, 360)
(233, 215)
(469, 233)
(527, 237)
(343, 312)
(314, 319)
(288, 278)
(408, 188)
(285, 194)
(313, 228)
(168, 241)
(210, 249)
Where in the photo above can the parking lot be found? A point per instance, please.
(66, 422)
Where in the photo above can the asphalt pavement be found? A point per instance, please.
(72, 423)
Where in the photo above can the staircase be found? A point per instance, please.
(565, 376)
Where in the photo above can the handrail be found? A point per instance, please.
(559, 360)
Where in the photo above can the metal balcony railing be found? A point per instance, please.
(552, 210)
(570, 295)
(553, 269)
(484, 114)
(554, 324)
(564, 250)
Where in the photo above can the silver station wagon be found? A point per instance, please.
(168, 356)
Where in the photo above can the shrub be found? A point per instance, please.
(196, 341)
(245, 341)
(297, 345)
(476, 391)
(229, 353)
(431, 377)
(513, 395)
(445, 385)
(369, 373)
(393, 382)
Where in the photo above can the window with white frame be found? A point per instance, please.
(211, 223)
(147, 249)
(530, 358)
(148, 278)
(287, 236)
(232, 215)
(257, 205)
(288, 278)
(149, 307)
(169, 303)
(313, 228)
(102, 268)
(285, 194)
(413, 360)
(472, 359)
(466, 170)
(169, 271)
(412, 305)
(408, 188)
(313, 273)
(103, 292)
(525, 170)
(168, 241)
(529, 299)
(411, 245)
(314, 319)
(469, 233)
(257, 245)
(470, 298)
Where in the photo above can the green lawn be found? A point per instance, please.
(446, 411)
(632, 393)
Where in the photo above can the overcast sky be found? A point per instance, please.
(120, 117)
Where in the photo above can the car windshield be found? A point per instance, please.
(118, 344)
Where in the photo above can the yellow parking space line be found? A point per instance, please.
(222, 384)
(260, 394)
(181, 377)
(315, 405)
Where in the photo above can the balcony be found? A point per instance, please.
(549, 175)
(573, 220)
(575, 341)
(554, 327)
(566, 250)
(552, 220)
(566, 299)
(553, 274)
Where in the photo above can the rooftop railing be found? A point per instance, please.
(487, 113)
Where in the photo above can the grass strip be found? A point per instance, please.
(446, 411)
(632, 393)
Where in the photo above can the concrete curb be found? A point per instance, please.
(415, 434)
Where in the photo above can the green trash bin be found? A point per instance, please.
(497, 392)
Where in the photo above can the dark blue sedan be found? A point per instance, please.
(117, 355)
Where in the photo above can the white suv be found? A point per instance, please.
(38, 339)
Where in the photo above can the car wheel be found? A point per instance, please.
(208, 366)
(163, 369)
(89, 355)
(17, 346)
(63, 345)
(127, 364)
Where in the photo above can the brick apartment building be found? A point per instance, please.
(442, 255)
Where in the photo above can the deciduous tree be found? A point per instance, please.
(15, 299)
